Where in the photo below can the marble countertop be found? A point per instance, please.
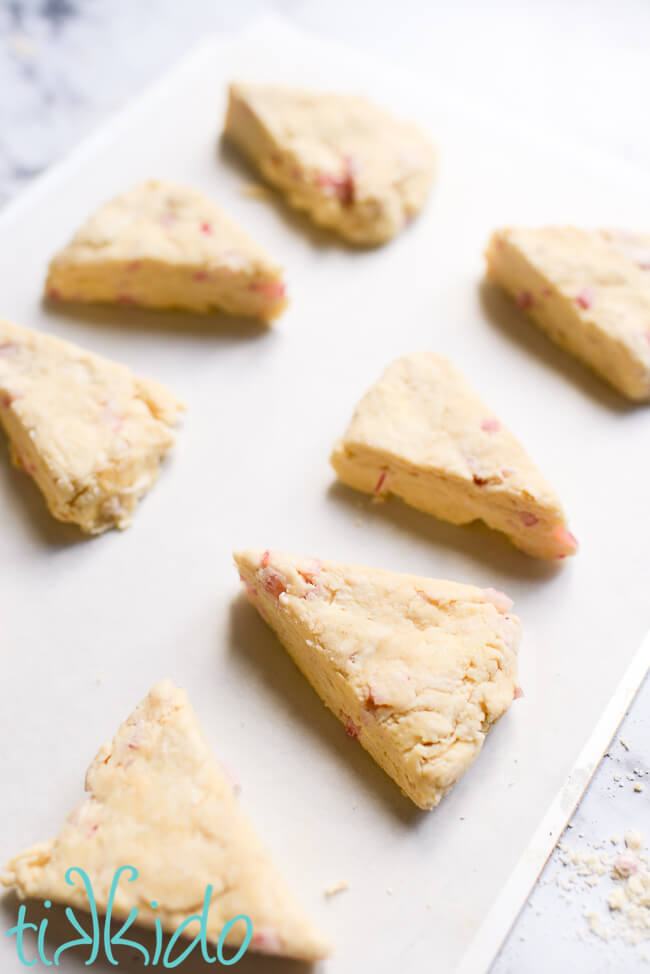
(578, 68)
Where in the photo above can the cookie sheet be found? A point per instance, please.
(88, 626)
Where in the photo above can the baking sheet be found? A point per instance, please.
(89, 625)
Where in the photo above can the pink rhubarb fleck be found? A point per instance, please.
(585, 298)
(352, 729)
(525, 300)
(519, 693)
(528, 519)
(343, 184)
(381, 481)
(266, 940)
(564, 537)
(274, 582)
(311, 569)
(491, 425)
(270, 289)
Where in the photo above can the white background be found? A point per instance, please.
(577, 68)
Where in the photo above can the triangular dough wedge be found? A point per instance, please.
(589, 290)
(417, 669)
(166, 246)
(90, 432)
(423, 434)
(160, 802)
(349, 164)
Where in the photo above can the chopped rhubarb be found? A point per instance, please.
(310, 570)
(342, 185)
(274, 582)
(585, 298)
(381, 481)
(271, 289)
(525, 300)
(564, 536)
(491, 425)
(266, 940)
(352, 729)
(528, 518)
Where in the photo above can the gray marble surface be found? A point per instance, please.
(577, 67)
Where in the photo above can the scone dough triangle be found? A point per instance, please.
(161, 245)
(348, 163)
(417, 669)
(90, 432)
(423, 434)
(589, 290)
(159, 801)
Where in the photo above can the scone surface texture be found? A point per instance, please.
(417, 669)
(349, 164)
(159, 801)
(423, 434)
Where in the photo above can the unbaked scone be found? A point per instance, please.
(417, 669)
(160, 245)
(589, 290)
(90, 432)
(423, 434)
(159, 801)
(349, 164)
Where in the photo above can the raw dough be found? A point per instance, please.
(90, 432)
(423, 434)
(160, 802)
(166, 246)
(417, 669)
(589, 290)
(349, 164)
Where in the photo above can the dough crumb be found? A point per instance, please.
(633, 839)
(340, 886)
